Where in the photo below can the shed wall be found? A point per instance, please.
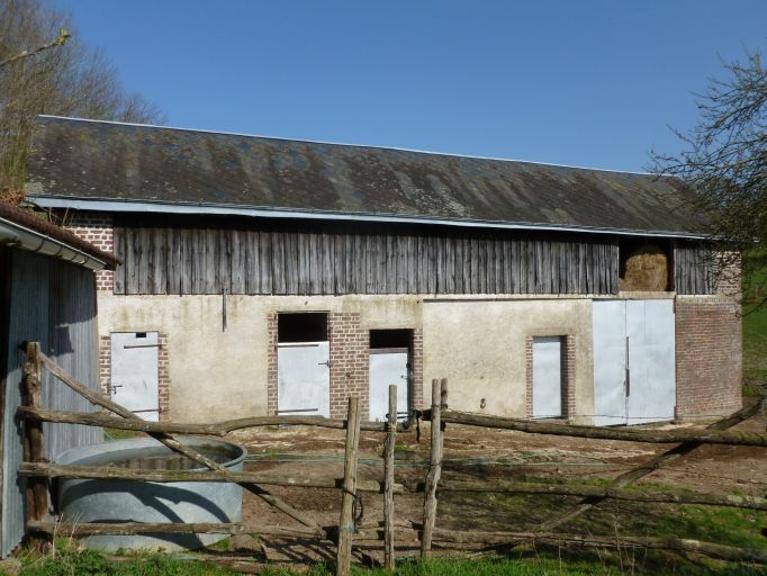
(52, 302)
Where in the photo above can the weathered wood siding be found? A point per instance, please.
(285, 259)
(52, 302)
(695, 268)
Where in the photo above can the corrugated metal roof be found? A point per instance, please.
(95, 160)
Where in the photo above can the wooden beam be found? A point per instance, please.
(667, 495)
(391, 441)
(47, 470)
(435, 466)
(76, 529)
(212, 429)
(346, 525)
(36, 492)
(706, 436)
(100, 399)
(714, 550)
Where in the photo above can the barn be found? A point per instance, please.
(48, 296)
(266, 276)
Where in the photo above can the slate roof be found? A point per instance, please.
(96, 160)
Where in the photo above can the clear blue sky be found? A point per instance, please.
(591, 83)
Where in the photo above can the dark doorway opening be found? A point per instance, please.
(302, 327)
(390, 338)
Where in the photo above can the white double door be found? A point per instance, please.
(634, 361)
(303, 378)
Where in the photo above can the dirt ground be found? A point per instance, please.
(470, 454)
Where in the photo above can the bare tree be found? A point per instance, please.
(725, 159)
(72, 80)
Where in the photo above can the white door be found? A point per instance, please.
(547, 377)
(387, 366)
(651, 360)
(135, 373)
(609, 337)
(303, 378)
(634, 361)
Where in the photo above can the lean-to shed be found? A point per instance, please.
(49, 296)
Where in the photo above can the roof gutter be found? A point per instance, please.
(16, 235)
(264, 212)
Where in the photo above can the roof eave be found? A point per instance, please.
(114, 205)
(16, 235)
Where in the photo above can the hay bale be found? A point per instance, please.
(646, 269)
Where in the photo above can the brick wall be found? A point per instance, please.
(568, 376)
(271, 365)
(97, 229)
(416, 391)
(105, 363)
(708, 356)
(163, 377)
(349, 351)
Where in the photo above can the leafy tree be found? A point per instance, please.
(725, 160)
(67, 79)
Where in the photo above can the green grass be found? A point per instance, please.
(755, 324)
(71, 562)
(88, 563)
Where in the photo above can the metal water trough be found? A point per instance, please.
(113, 501)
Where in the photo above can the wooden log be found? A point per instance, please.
(706, 436)
(435, 467)
(99, 399)
(346, 522)
(46, 470)
(670, 543)
(667, 495)
(36, 492)
(77, 529)
(213, 429)
(654, 464)
(391, 440)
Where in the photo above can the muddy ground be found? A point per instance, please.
(475, 454)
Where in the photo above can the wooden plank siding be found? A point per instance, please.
(695, 268)
(281, 258)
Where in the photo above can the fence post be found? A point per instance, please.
(391, 439)
(438, 390)
(34, 450)
(346, 522)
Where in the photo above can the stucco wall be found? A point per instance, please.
(480, 347)
(217, 374)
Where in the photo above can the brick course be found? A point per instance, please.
(708, 356)
(97, 229)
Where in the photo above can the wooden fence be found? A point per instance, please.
(347, 532)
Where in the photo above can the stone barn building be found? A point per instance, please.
(268, 276)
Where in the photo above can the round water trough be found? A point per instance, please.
(115, 501)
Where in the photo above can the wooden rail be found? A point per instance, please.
(213, 429)
(47, 470)
(653, 495)
(732, 438)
